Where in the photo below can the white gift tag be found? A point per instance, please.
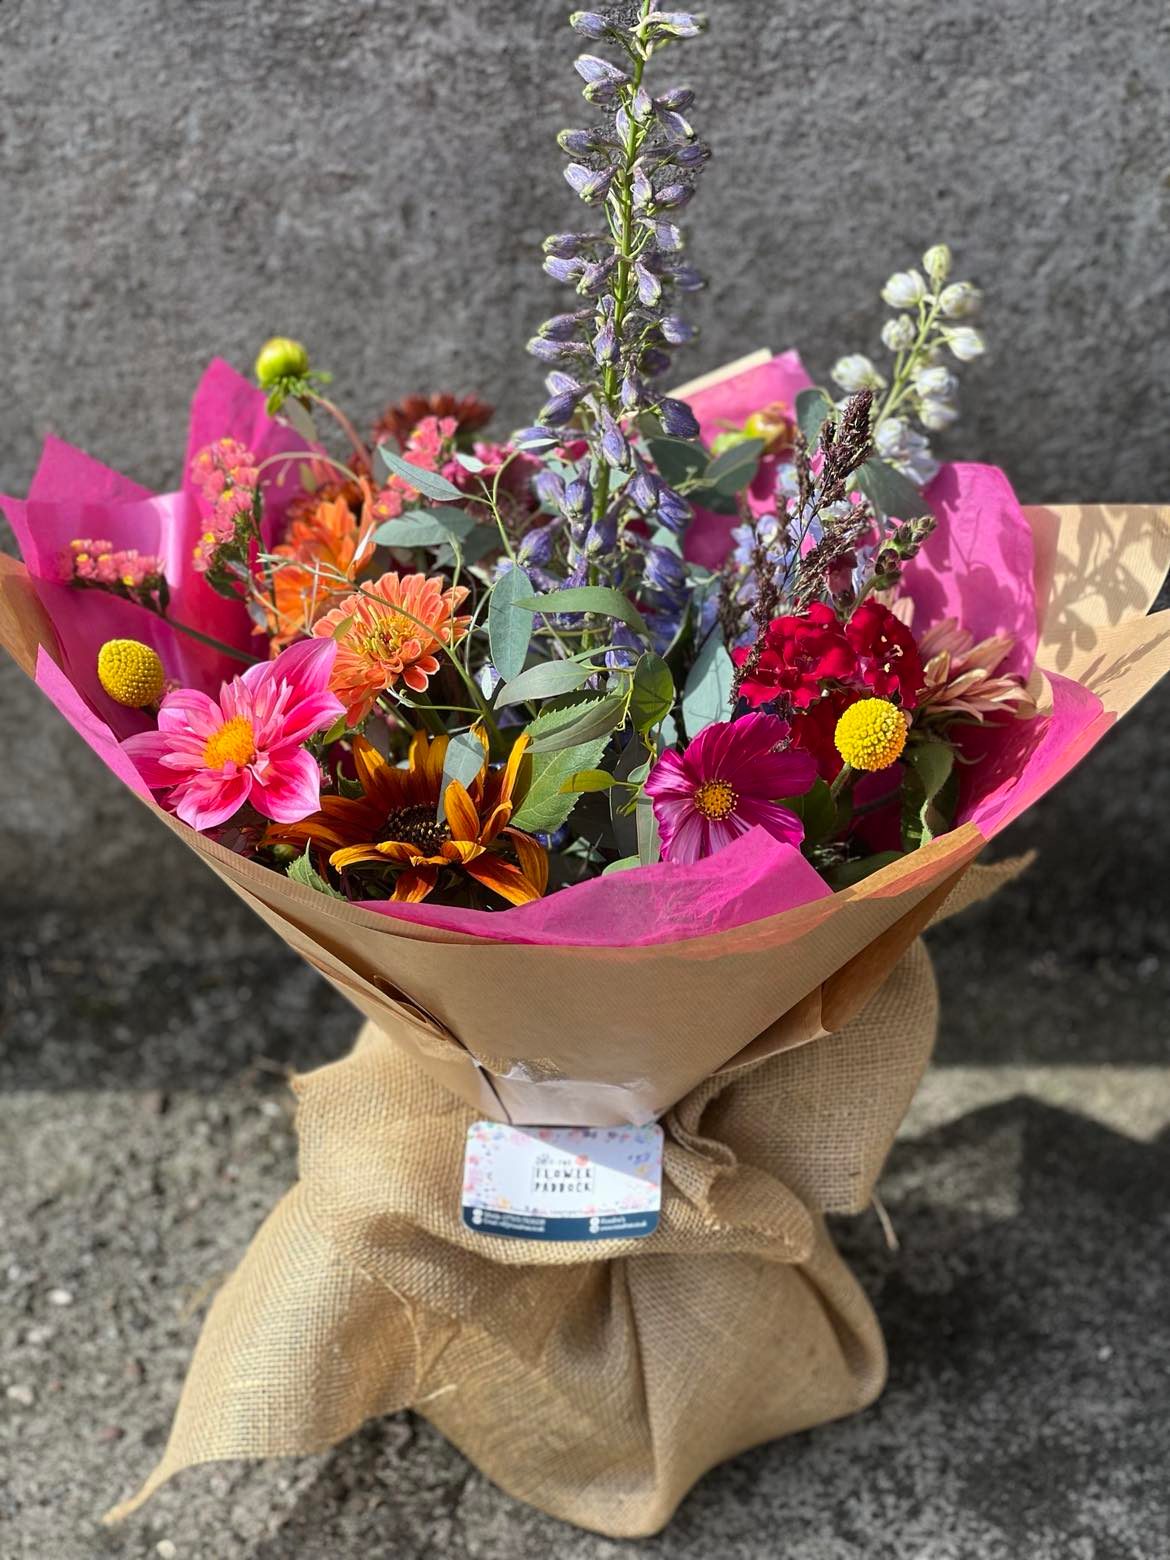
(562, 1183)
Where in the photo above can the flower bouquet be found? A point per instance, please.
(611, 772)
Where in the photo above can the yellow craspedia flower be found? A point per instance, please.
(871, 734)
(131, 673)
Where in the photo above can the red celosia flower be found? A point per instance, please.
(888, 661)
(800, 654)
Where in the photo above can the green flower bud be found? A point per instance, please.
(280, 358)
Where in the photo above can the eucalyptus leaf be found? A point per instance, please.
(543, 681)
(303, 871)
(652, 698)
(463, 761)
(299, 417)
(676, 460)
(735, 469)
(546, 806)
(429, 483)
(509, 626)
(425, 528)
(889, 491)
(711, 499)
(470, 463)
(707, 694)
(598, 599)
(649, 844)
(812, 407)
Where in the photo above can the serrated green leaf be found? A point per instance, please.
(652, 698)
(425, 528)
(509, 626)
(889, 491)
(588, 780)
(581, 722)
(429, 483)
(812, 407)
(707, 695)
(545, 806)
(303, 871)
(733, 471)
(544, 681)
(598, 599)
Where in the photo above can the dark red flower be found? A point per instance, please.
(812, 729)
(399, 421)
(800, 654)
(888, 661)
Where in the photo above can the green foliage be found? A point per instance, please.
(812, 407)
(302, 871)
(463, 761)
(889, 491)
(707, 694)
(425, 528)
(509, 626)
(846, 873)
(676, 461)
(598, 599)
(544, 681)
(571, 722)
(930, 792)
(652, 696)
(429, 483)
(546, 804)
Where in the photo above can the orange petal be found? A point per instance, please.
(533, 858)
(352, 855)
(496, 820)
(462, 818)
(507, 881)
(460, 850)
(411, 886)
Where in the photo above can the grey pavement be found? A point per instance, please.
(183, 180)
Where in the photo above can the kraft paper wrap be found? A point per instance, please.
(599, 1382)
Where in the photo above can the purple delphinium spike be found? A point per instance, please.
(641, 162)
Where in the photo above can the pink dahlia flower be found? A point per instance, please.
(729, 780)
(213, 756)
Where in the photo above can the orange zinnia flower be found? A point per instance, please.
(387, 633)
(326, 545)
(395, 823)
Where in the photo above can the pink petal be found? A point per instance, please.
(780, 823)
(669, 777)
(208, 799)
(291, 787)
(148, 750)
(777, 775)
(315, 713)
(187, 710)
(689, 841)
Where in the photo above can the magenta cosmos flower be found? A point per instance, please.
(213, 756)
(729, 780)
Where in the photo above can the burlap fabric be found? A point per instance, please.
(595, 1381)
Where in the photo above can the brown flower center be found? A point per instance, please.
(417, 826)
(715, 799)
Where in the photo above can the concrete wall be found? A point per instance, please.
(183, 179)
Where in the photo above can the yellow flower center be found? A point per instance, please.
(131, 673)
(384, 641)
(871, 734)
(715, 799)
(233, 743)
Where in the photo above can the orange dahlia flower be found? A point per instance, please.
(395, 824)
(326, 546)
(387, 633)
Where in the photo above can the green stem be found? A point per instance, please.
(845, 778)
(343, 423)
(215, 644)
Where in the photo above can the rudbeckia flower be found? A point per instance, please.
(730, 779)
(395, 823)
(388, 633)
(213, 755)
